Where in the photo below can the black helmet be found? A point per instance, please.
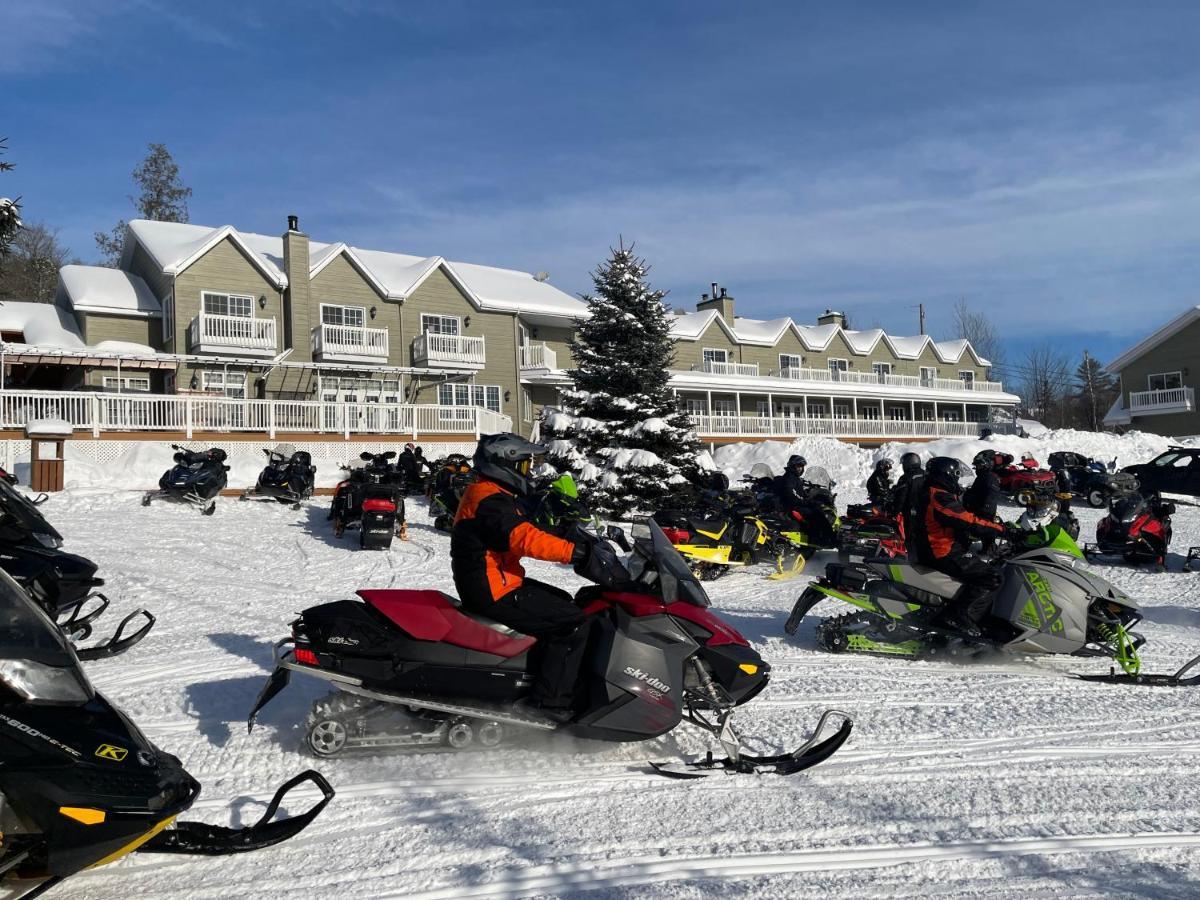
(943, 472)
(984, 461)
(910, 463)
(506, 459)
(884, 465)
(797, 461)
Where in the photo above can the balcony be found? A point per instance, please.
(726, 368)
(246, 335)
(538, 356)
(1156, 403)
(449, 350)
(731, 426)
(345, 343)
(835, 376)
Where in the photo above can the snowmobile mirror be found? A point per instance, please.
(616, 534)
(40, 499)
(366, 456)
(390, 454)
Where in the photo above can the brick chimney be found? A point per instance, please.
(832, 317)
(720, 301)
(297, 302)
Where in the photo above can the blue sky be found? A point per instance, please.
(1037, 159)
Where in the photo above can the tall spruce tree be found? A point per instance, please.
(163, 198)
(1097, 390)
(622, 430)
(10, 210)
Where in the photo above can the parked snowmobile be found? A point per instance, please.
(1046, 604)
(63, 584)
(1089, 479)
(416, 670)
(197, 477)
(868, 531)
(1137, 528)
(80, 785)
(555, 506)
(371, 500)
(287, 478)
(715, 541)
(450, 478)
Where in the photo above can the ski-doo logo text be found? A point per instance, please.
(648, 679)
(349, 642)
(108, 751)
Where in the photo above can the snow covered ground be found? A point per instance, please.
(989, 780)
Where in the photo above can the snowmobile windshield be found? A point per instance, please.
(819, 476)
(17, 513)
(761, 470)
(1126, 509)
(565, 485)
(674, 574)
(37, 663)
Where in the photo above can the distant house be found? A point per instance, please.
(1159, 376)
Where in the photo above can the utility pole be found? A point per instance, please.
(1091, 389)
(921, 313)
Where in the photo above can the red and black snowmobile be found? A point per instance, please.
(1024, 483)
(414, 669)
(1137, 528)
(869, 531)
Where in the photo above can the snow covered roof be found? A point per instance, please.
(174, 247)
(690, 326)
(40, 323)
(1149, 343)
(99, 289)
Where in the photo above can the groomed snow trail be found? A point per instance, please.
(987, 780)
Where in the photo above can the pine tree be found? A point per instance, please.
(10, 210)
(163, 198)
(622, 430)
(1097, 391)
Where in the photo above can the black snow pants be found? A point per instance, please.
(980, 581)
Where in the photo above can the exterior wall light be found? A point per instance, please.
(372, 312)
(466, 322)
(262, 301)
(507, 396)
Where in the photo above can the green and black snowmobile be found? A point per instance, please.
(1048, 603)
(80, 785)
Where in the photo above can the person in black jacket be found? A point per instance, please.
(903, 499)
(806, 502)
(983, 496)
(879, 485)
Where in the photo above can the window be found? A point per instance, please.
(694, 407)
(928, 374)
(434, 324)
(968, 377)
(231, 384)
(974, 415)
(485, 395)
(837, 367)
(951, 415)
(870, 412)
(526, 405)
(227, 305)
(1165, 381)
(131, 383)
(711, 355)
(790, 410)
(883, 370)
(725, 408)
(841, 411)
(346, 316)
(168, 319)
(764, 409)
(818, 411)
(897, 413)
(789, 362)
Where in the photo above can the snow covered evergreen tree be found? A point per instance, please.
(622, 430)
(10, 210)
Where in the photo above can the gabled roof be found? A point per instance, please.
(768, 333)
(1147, 344)
(99, 289)
(174, 247)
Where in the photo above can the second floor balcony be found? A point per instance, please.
(346, 343)
(713, 367)
(448, 350)
(538, 356)
(242, 335)
(1171, 400)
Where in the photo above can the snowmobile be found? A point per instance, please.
(555, 506)
(197, 477)
(371, 499)
(1138, 529)
(63, 584)
(1046, 604)
(1091, 480)
(868, 531)
(715, 543)
(451, 477)
(80, 785)
(415, 670)
(287, 478)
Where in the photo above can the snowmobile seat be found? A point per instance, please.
(301, 458)
(924, 578)
(434, 616)
(709, 526)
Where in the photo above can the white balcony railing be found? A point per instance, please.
(350, 342)
(726, 368)
(184, 414)
(1181, 399)
(826, 376)
(431, 349)
(763, 426)
(238, 332)
(538, 356)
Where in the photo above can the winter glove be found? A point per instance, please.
(598, 562)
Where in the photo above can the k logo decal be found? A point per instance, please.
(108, 751)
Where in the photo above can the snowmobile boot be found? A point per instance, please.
(527, 706)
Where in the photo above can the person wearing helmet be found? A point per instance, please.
(406, 462)
(939, 538)
(983, 496)
(804, 501)
(1028, 462)
(879, 485)
(489, 539)
(903, 500)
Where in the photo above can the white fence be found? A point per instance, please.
(430, 348)
(538, 356)
(244, 332)
(712, 367)
(188, 414)
(826, 376)
(1182, 399)
(346, 340)
(755, 426)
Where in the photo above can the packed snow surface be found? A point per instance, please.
(999, 779)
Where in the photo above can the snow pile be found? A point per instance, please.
(49, 428)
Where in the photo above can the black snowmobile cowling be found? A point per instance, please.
(197, 477)
(286, 478)
(80, 785)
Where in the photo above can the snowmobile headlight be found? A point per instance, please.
(40, 683)
(48, 541)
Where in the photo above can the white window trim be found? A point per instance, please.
(724, 407)
(706, 350)
(837, 359)
(1177, 374)
(458, 396)
(214, 380)
(694, 406)
(966, 375)
(884, 368)
(458, 325)
(342, 306)
(790, 356)
(168, 317)
(126, 382)
(228, 296)
(929, 373)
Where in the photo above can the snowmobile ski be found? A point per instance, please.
(76, 623)
(119, 641)
(1176, 679)
(811, 753)
(1193, 559)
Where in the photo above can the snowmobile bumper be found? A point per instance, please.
(119, 642)
(217, 840)
(1179, 678)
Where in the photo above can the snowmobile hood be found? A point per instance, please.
(656, 561)
(20, 519)
(37, 662)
